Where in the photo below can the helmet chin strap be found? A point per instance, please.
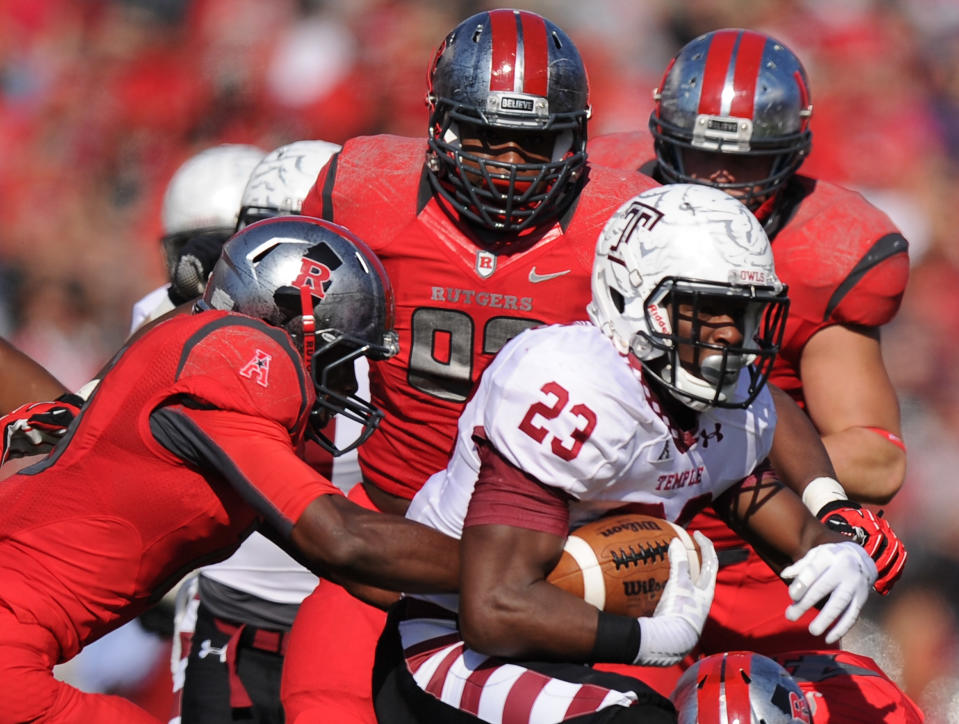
(309, 325)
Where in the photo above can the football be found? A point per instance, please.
(620, 563)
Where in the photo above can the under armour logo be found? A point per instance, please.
(717, 435)
(258, 368)
(207, 649)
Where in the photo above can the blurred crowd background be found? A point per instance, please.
(101, 100)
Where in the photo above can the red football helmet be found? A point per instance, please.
(507, 75)
(733, 91)
(740, 687)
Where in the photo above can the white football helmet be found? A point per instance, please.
(700, 245)
(282, 179)
(203, 196)
(739, 687)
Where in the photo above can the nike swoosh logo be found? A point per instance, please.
(536, 278)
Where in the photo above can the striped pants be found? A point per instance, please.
(423, 672)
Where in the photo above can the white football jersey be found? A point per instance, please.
(561, 404)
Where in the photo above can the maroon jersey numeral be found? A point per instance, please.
(442, 355)
(569, 449)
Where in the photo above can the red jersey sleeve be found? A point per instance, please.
(505, 495)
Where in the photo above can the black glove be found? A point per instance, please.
(196, 260)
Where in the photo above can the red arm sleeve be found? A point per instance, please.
(505, 495)
(255, 455)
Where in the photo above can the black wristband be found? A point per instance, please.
(617, 639)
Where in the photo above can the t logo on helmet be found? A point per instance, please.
(638, 214)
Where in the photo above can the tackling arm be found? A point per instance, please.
(848, 392)
(24, 380)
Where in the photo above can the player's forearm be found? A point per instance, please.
(535, 621)
(376, 549)
(798, 454)
(870, 467)
(24, 380)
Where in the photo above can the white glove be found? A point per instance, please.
(674, 628)
(842, 571)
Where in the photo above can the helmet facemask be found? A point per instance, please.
(500, 195)
(710, 374)
(332, 370)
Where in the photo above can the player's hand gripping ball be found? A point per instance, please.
(620, 563)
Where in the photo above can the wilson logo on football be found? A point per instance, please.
(643, 587)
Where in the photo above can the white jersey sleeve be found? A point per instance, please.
(565, 407)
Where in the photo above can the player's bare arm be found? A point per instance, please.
(853, 404)
(507, 606)
(379, 549)
(798, 455)
(24, 379)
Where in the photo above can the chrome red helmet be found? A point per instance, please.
(733, 91)
(739, 687)
(507, 74)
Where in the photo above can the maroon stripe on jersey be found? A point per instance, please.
(588, 699)
(473, 689)
(435, 686)
(535, 77)
(714, 73)
(522, 695)
(737, 690)
(504, 38)
(417, 654)
(707, 699)
(749, 56)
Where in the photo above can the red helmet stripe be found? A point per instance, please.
(535, 55)
(737, 690)
(710, 689)
(749, 56)
(504, 37)
(715, 71)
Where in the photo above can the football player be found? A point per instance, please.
(247, 603)
(487, 227)
(659, 405)
(733, 112)
(187, 444)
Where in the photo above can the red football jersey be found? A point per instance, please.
(186, 444)
(457, 304)
(845, 687)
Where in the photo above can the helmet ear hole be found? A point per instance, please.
(618, 301)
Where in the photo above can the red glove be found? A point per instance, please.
(873, 533)
(34, 428)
